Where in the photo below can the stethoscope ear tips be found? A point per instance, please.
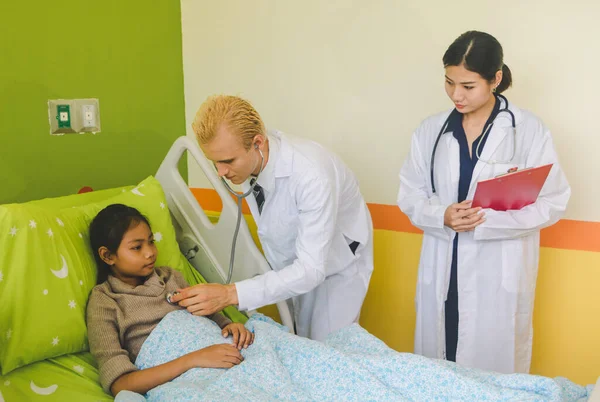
(171, 294)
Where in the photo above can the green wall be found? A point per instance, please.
(126, 53)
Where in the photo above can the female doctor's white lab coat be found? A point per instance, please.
(498, 261)
(313, 210)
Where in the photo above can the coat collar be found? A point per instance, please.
(501, 128)
(285, 161)
(280, 163)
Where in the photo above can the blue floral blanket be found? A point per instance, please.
(352, 365)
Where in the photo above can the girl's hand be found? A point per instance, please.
(216, 356)
(242, 338)
(141, 381)
(462, 218)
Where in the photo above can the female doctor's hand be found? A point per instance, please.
(462, 218)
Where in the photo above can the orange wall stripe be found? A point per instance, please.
(389, 217)
(209, 200)
(572, 235)
(566, 234)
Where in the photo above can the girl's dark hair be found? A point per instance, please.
(108, 228)
(481, 53)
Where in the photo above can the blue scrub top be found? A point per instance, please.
(467, 165)
(467, 162)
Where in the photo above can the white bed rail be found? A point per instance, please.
(595, 396)
(193, 226)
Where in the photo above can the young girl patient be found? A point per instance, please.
(130, 300)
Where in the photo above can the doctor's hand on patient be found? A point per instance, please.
(207, 298)
(461, 217)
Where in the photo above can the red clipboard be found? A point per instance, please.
(511, 191)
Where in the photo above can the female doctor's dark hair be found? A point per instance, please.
(481, 53)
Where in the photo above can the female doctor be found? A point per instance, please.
(478, 268)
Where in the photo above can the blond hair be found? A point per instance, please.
(234, 113)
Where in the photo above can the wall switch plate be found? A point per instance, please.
(63, 116)
(74, 116)
(60, 115)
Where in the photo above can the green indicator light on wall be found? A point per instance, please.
(63, 115)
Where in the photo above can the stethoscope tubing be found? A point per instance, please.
(486, 131)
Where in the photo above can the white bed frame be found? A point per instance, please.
(208, 245)
(595, 396)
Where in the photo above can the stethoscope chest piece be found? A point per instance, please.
(170, 295)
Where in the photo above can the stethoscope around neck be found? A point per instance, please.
(240, 197)
(485, 132)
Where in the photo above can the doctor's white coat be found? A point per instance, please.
(313, 210)
(498, 261)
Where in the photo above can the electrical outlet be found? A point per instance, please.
(89, 116)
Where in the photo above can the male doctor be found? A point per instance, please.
(313, 223)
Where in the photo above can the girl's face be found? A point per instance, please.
(134, 260)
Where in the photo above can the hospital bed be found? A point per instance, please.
(210, 243)
(205, 242)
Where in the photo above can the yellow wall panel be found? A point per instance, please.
(566, 322)
(567, 307)
(389, 310)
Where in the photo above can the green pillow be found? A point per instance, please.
(47, 270)
(68, 201)
(44, 285)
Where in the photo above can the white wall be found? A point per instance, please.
(359, 76)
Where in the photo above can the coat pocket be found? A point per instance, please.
(280, 230)
(433, 258)
(519, 266)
